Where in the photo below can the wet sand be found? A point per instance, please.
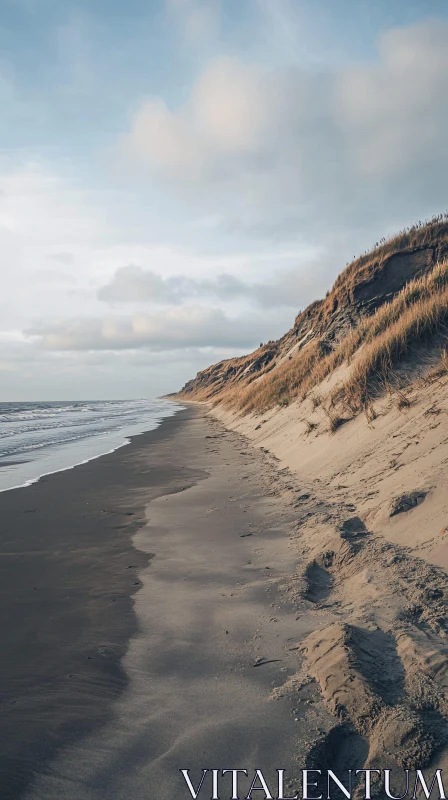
(68, 570)
(144, 626)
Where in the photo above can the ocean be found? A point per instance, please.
(37, 439)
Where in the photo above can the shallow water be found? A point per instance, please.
(37, 439)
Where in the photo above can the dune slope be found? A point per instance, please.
(351, 408)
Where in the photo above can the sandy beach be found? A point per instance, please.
(68, 572)
(146, 620)
(224, 400)
(192, 602)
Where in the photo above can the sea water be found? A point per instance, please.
(37, 439)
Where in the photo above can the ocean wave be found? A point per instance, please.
(28, 427)
(41, 438)
(11, 412)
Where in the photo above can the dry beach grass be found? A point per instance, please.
(383, 305)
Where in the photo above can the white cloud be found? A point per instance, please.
(44, 375)
(225, 117)
(230, 114)
(53, 276)
(228, 106)
(290, 289)
(287, 148)
(197, 20)
(392, 113)
(39, 207)
(162, 139)
(184, 326)
(59, 246)
(45, 224)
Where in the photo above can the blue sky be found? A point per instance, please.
(179, 178)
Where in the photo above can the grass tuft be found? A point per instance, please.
(377, 360)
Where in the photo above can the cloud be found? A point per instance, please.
(289, 148)
(100, 374)
(181, 327)
(391, 113)
(222, 119)
(133, 284)
(53, 276)
(62, 258)
(196, 20)
(50, 233)
(228, 115)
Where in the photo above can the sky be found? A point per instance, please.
(179, 178)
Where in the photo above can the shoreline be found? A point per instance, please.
(32, 481)
(213, 549)
(215, 609)
(127, 439)
(68, 576)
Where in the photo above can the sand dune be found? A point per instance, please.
(371, 537)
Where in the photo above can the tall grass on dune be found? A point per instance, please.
(375, 364)
(416, 314)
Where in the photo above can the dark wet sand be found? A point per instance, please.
(104, 699)
(68, 569)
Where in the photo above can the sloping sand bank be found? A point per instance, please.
(372, 552)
